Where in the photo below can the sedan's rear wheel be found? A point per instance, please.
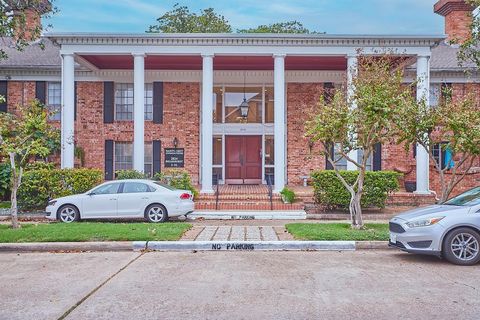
(156, 213)
(462, 247)
(68, 214)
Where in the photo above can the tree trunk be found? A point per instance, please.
(16, 181)
(356, 211)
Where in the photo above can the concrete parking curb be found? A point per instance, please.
(73, 246)
(194, 246)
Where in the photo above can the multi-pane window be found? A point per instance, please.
(148, 101)
(148, 159)
(124, 101)
(54, 100)
(439, 92)
(369, 165)
(123, 156)
(338, 158)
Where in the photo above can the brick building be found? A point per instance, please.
(144, 101)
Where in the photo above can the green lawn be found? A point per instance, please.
(338, 231)
(93, 231)
(4, 204)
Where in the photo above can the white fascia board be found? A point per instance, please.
(264, 50)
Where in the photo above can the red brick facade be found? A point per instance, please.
(180, 119)
(181, 114)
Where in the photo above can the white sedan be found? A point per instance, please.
(147, 199)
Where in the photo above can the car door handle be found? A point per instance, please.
(113, 199)
(145, 198)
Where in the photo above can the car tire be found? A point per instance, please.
(156, 213)
(462, 247)
(68, 214)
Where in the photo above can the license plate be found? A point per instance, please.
(393, 238)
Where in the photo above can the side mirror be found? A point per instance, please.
(91, 194)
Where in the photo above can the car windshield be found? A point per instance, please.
(466, 199)
(166, 186)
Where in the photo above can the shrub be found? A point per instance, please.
(330, 192)
(288, 195)
(130, 174)
(40, 185)
(179, 179)
(5, 170)
(38, 165)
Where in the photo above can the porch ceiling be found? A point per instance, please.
(165, 62)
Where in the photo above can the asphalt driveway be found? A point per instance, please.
(236, 285)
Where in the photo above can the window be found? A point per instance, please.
(148, 101)
(217, 105)
(54, 100)
(110, 188)
(123, 156)
(136, 187)
(369, 166)
(439, 92)
(217, 173)
(148, 159)
(340, 161)
(443, 155)
(124, 101)
(269, 105)
(269, 151)
(234, 97)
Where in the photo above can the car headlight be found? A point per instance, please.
(424, 222)
(52, 202)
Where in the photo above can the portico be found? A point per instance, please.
(229, 62)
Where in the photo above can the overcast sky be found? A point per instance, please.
(331, 16)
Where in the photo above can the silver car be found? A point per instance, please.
(450, 230)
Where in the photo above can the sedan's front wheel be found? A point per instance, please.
(461, 246)
(68, 214)
(156, 213)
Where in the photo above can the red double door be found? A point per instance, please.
(243, 159)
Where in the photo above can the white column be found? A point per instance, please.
(423, 93)
(68, 112)
(207, 123)
(279, 121)
(352, 70)
(138, 112)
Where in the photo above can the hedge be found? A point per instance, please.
(129, 174)
(331, 193)
(179, 179)
(40, 185)
(5, 171)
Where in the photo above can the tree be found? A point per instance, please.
(280, 27)
(356, 122)
(470, 49)
(181, 20)
(451, 129)
(20, 21)
(23, 137)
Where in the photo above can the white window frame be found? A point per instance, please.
(55, 107)
(148, 102)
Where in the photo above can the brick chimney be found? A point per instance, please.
(27, 17)
(458, 19)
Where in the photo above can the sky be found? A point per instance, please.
(331, 16)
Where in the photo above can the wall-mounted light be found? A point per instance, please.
(175, 142)
(8, 77)
(310, 145)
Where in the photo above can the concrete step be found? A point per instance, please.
(247, 205)
(249, 215)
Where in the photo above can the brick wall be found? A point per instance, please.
(301, 161)
(19, 93)
(457, 26)
(181, 120)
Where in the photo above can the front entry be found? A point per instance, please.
(243, 159)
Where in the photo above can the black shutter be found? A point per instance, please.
(4, 94)
(414, 148)
(328, 165)
(377, 157)
(328, 91)
(157, 153)
(109, 160)
(75, 103)
(158, 102)
(41, 91)
(108, 102)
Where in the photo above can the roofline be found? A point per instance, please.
(54, 35)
